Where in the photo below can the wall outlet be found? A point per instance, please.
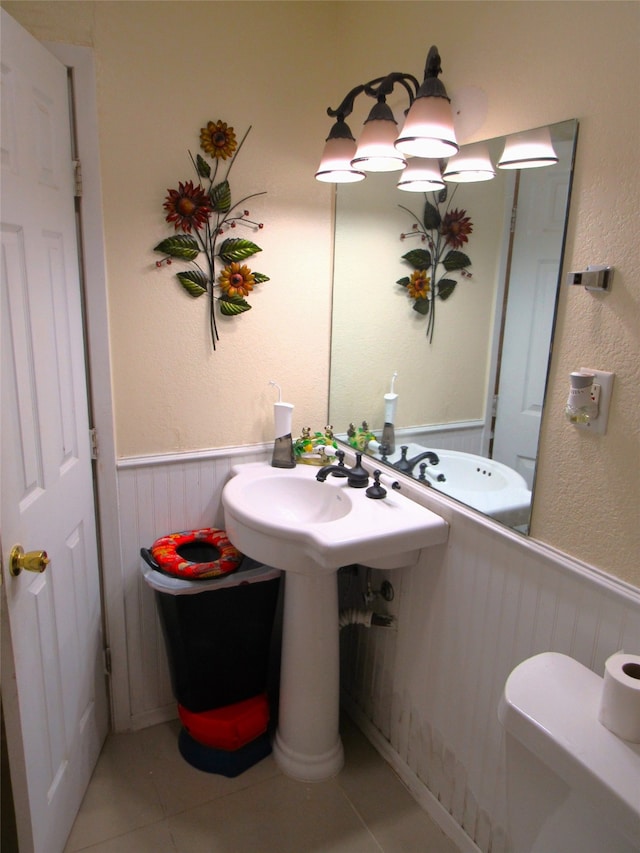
(604, 381)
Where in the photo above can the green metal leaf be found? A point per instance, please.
(220, 196)
(259, 277)
(431, 218)
(446, 287)
(204, 169)
(231, 306)
(422, 306)
(420, 259)
(194, 282)
(455, 261)
(237, 249)
(179, 246)
(404, 282)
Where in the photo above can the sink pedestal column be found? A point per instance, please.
(307, 744)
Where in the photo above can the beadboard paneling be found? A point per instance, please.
(468, 613)
(426, 692)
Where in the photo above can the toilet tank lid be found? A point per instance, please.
(550, 704)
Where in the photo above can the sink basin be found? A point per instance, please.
(290, 520)
(484, 484)
(284, 500)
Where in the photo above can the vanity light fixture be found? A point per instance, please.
(339, 150)
(471, 163)
(428, 128)
(528, 150)
(376, 151)
(421, 176)
(427, 133)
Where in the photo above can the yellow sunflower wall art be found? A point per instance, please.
(444, 231)
(202, 213)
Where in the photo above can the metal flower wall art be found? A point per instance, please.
(444, 230)
(202, 214)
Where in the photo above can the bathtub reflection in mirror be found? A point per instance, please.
(475, 393)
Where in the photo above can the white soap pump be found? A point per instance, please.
(390, 403)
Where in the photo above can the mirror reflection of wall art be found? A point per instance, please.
(204, 212)
(443, 231)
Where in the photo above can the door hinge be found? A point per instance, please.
(514, 216)
(77, 179)
(106, 653)
(494, 406)
(93, 442)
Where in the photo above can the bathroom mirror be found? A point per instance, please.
(473, 393)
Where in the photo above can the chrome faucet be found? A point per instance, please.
(407, 465)
(357, 477)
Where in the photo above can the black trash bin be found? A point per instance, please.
(218, 632)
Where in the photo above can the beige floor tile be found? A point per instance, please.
(384, 803)
(145, 798)
(155, 838)
(121, 795)
(277, 816)
(181, 786)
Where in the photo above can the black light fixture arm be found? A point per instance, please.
(377, 88)
(346, 107)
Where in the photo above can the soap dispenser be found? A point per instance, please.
(283, 455)
(390, 404)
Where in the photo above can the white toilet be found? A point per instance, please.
(572, 785)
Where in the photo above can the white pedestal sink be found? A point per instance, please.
(287, 519)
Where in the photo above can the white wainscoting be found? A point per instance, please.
(427, 693)
(466, 436)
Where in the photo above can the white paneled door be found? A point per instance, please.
(533, 287)
(52, 677)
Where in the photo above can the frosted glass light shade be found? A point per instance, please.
(428, 129)
(528, 150)
(421, 176)
(335, 164)
(471, 163)
(376, 151)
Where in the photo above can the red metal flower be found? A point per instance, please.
(189, 207)
(455, 227)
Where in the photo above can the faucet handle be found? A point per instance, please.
(376, 491)
(340, 456)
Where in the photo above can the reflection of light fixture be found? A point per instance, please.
(340, 148)
(376, 151)
(421, 176)
(471, 163)
(528, 150)
(428, 130)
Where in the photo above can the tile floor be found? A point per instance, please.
(144, 798)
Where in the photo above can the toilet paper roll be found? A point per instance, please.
(620, 698)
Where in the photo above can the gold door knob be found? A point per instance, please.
(32, 561)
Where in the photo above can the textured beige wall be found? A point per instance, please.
(165, 68)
